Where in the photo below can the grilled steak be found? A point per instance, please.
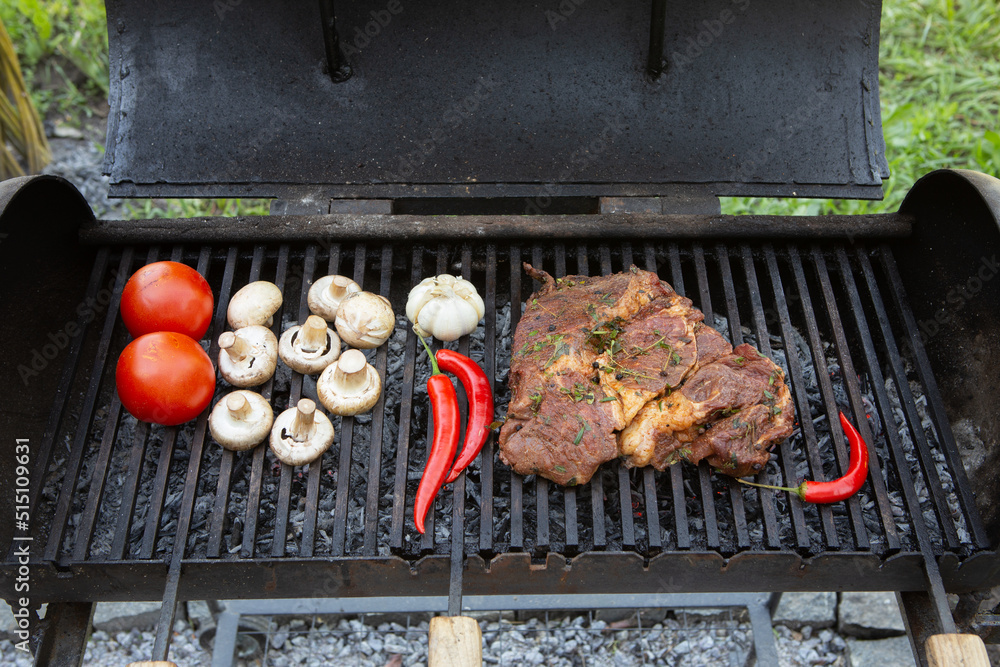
(622, 365)
(729, 411)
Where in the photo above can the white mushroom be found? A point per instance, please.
(446, 307)
(365, 320)
(350, 385)
(248, 356)
(309, 348)
(327, 293)
(301, 434)
(255, 303)
(241, 420)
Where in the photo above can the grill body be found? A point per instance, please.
(116, 500)
(865, 314)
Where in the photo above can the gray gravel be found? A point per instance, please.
(79, 161)
(572, 641)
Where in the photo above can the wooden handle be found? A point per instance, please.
(455, 641)
(956, 651)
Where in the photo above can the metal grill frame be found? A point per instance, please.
(867, 278)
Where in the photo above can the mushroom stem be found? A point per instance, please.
(238, 406)
(302, 425)
(235, 347)
(338, 288)
(351, 373)
(312, 334)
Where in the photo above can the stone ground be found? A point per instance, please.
(846, 630)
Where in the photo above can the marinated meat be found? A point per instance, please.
(683, 424)
(622, 365)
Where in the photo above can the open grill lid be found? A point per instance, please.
(519, 98)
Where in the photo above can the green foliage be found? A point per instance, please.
(940, 89)
(193, 208)
(63, 49)
(939, 81)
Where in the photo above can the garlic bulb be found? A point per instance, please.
(446, 307)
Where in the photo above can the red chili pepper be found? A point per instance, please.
(444, 410)
(477, 387)
(838, 489)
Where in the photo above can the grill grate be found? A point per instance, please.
(123, 491)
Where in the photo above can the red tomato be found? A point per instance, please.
(167, 296)
(165, 378)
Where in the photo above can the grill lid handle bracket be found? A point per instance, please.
(336, 63)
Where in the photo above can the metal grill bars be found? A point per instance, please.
(171, 494)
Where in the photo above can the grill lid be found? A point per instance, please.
(520, 98)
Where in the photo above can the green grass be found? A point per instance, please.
(939, 81)
(193, 208)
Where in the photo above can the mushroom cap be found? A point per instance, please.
(305, 361)
(359, 394)
(365, 320)
(323, 302)
(239, 433)
(261, 359)
(320, 437)
(254, 304)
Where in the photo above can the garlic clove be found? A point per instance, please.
(448, 319)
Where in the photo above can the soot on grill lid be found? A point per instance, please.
(449, 98)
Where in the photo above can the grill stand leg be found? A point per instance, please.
(920, 620)
(773, 602)
(929, 634)
(225, 638)
(64, 634)
(931, 609)
(765, 649)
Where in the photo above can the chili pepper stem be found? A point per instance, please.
(435, 370)
(799, 490)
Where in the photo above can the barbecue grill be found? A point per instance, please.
(398, 142)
